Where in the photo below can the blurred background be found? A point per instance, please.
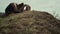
(51, 6)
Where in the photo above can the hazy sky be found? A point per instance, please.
(51, 6)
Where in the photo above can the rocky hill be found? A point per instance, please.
(30, 22)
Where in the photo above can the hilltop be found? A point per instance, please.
(30, 22)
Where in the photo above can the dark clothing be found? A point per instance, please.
(9, 9)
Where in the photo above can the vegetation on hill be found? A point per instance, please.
(30, 22)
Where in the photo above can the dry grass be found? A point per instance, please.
(32, 22)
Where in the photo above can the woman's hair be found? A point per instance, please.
(20, 5)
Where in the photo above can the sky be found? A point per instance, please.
(51, 6)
